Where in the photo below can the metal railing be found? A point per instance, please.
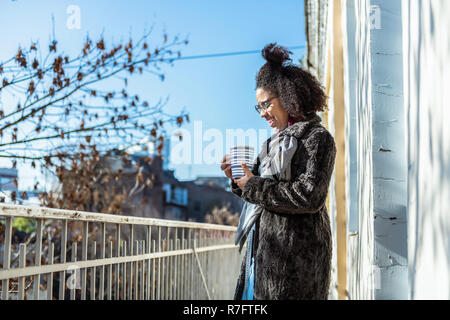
(122, 257)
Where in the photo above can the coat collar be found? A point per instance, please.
(298, 129)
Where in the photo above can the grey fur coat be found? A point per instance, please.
(292, 242)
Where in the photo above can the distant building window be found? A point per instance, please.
(167, 188)
(176, 195)
(7, 183)
(180, 196)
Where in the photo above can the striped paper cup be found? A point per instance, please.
(238, 155)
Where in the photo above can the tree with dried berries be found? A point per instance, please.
(222, 215)
(65, 117)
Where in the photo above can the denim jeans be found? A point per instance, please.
(249, 294)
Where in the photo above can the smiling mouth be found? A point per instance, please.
(271, 122)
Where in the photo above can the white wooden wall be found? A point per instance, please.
(388, 152)
(396, 79)
(358, 87)
(426, 53)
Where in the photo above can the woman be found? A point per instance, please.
(284, 219)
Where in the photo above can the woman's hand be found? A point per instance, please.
(226, 166)
(242, 181)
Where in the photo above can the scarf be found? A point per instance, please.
(275, 163)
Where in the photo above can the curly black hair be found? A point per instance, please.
(299, 92)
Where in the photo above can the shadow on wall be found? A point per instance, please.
(428, 43)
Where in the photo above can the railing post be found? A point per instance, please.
(130, 284)
(74, 275)
(38, 254)
(148, 250)
(117, 241)
(7, 256)
(159, 287)
(62, 259)
(136, 272)
(153, 271)
(191, 287)
(101, 292)
(22, 264)
(175, 265)
(50, 275)
(124, 272)
(142, 283)
(170, 273)
(84, 248)
(163, 279)
(93, 270)
(183, 268)
(177, 273)
(109, 283)
(166, 270)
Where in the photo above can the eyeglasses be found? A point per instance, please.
(264, 105)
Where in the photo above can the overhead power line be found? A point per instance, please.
(235, 53)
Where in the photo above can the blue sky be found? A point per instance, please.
(218, 91)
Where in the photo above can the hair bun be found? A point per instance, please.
(275, 55)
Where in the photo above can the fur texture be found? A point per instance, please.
(292, 244)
